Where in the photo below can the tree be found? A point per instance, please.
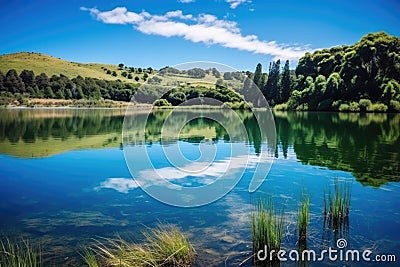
(42, 81)
(13, 83)
(286, 83)
(79, 93)
(227, 76)
(124, 73)
(120, 66)
(130, 76)
(391, 91)
(220, 83)
(176, 98)
(114, 73)
(333, 86)
(216, 73)
(2, 78)
(258, 76)
(271, 88)
(196, 73)
(48, 92)
(137, 79)
(154, 80)
(28, 77)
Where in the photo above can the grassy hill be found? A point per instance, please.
(41, 63)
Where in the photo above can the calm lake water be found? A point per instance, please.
(64, 181)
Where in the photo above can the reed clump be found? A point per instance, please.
(336, 210)
(19, 254)
(165, 245)
(89, 257)
(303, 215)
(267, 229)
(337, 203)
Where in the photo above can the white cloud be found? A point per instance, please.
(119, 15)
(186, 1)
(177, 14)
(205, 28)
(235, 3)
(122, 185)
(196, 171)
(149, 177)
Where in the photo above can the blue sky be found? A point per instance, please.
(238, 33)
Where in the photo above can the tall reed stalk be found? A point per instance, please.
(266, 229)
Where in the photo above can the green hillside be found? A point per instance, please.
(41, 63)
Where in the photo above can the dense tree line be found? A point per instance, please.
(61, 87)
(350, 78)
(361, 77)
(275, 86)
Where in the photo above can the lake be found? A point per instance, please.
(64, 180)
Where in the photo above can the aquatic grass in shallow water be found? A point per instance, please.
(89, 257)
(337, 209)
(170, 246)
(20, 254)
(165, 245)
(303, 220)
(266, 229)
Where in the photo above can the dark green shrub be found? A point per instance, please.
(377, 107)
(162, 103)
(364, 104)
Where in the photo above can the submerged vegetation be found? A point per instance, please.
(266, 229)
(19, 254)
(165, 245)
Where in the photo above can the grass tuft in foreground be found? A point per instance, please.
(20, 254)
(303, 219)
(267, 229)
(165, 245)
(89, 257)
(337, 208)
